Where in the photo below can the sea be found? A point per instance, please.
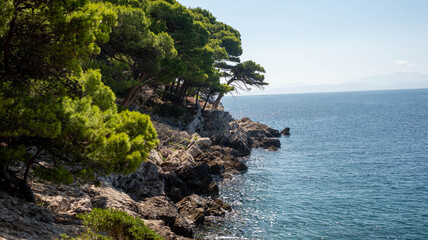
(354, 167)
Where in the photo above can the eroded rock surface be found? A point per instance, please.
(172, 192)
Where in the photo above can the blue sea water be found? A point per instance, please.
(354, 167)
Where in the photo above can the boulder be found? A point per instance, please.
(193, 208)
(259, 135)
(188, 180)
(286, 131)
(180, 158)
(204, 142)
(146, 182)
(217, 208)
(161, 208)
(194, 151)
(222, 160)
(198, 179)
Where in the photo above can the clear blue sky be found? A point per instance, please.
(312, 42)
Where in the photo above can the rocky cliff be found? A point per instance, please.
(175, 190)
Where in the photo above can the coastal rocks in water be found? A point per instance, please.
(260, 135)
(195, 208)
(198, 179)
(222, 160)
(188, 180)
(286, 131)
(222, 129)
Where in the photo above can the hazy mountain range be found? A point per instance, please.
(384, 82)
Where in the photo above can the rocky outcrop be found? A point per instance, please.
(241, 135)
(164, 209)
(197, 121)
(260, 135)
(195, 208)
(22, 220)
(222, 160)
(172, 192)
(146, 182)
(190, 180)
(286, 131)
(223, 130)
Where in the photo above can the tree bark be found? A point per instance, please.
(217, 101)
(15, 186)
(206, 101)
(130, 97)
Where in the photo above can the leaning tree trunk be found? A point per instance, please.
(206, 101)
(217, 101)
(131, 96)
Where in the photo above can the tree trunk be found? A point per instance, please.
(15, 186)
(197, 98)
(182, 92)
(217, 101)
(130, 97)
(177, 88)
(206, 101)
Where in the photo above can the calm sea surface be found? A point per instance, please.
(354, 167)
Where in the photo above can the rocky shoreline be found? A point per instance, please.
(174, 191)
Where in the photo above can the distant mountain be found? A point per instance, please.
(384, 82)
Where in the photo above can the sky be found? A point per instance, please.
(316, 42)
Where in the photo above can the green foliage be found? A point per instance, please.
(224, 40)
(133, 43)
(247, 74)
(101, 95)
(115, 74)
(83, 136)
(51, 100)
(116, 225)
(47, 39)
(169, 110)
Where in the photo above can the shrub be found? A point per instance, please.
(115, 224)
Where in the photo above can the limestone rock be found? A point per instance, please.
(194, 151)
(146, 182)
(193, 208)
(222, 160)
(204, 142)
(23, 220)
(181, 158)
(260, 135)
(223, 130)
(165, 210)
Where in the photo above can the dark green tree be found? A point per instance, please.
(195, 57)
(43, 122)
(133, 48)
(243, 76)
(46, 40)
